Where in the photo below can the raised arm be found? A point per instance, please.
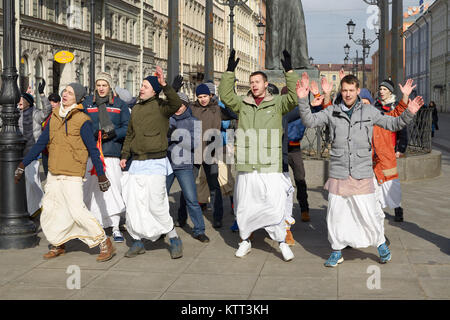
(397, 123)
(309, 119)
(289, 100)
(226, 86)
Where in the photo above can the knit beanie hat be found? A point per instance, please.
(388, 84)
(365, 94)
(123, 94)
(80, 91)
(104, 76)
(202, 89)
(184, 98)
(29, 98)
(211, 87)
(54, 97)
(154, 83)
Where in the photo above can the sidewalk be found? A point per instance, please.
(420, 266)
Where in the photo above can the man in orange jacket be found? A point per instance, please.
(384, 157)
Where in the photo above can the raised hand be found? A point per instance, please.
(317, 101)
(341, 74)
(407, 88)
(302, 87)
(286, 62)
(232, 61)
(177, 83)
(415, 105)
(326, 86)
(314, 88)
(41, 87)
(160, 76)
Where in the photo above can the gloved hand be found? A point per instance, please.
(177, 83)
(103, 183)
(286, 62)
(108, 135)
(19, 172)
(232, 62)
(41, 87)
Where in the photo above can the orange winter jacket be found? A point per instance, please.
(383, 149)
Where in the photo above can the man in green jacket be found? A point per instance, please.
(261, 188)
(144, 186)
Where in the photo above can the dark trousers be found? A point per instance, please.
(212, 178)
(295, 161)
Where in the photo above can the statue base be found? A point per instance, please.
(277, 78)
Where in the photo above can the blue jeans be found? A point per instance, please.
(189, 192)
(212, 178)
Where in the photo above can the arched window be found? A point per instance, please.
(81, 74)
(108, 69)
(38, 72)
(130, 81)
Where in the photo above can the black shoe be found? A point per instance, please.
(217, 224)
(398, 214)
(202, 238)
(180, 224)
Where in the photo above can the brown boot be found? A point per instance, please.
(54, 252)
(305, 216)
(107, 251)
(289, 238)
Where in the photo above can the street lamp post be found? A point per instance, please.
(364, 42)
(92, 53)
(261, 31)
(17, 231)
(231, 4)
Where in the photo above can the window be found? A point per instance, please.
(81, 74)
(108, 69)
(57, 10)
(334, 77)
(130, 81)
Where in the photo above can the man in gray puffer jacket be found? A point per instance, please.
(354, 218)
(30, 124)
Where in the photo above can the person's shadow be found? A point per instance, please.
(439, 241)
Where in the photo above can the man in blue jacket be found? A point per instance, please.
(183, 139)
(110, 116)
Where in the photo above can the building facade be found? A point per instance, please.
(331, 72)
(123, 45)
(131, 39)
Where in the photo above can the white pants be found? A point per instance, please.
(105, 206)
(33, 187)
(289, 203)
(147, 203)
(65, 216)
(355, 221)
(260, 202)
(389, 194)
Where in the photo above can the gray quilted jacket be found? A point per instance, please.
(351, 138)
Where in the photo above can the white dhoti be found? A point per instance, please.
(33, 187)
(145, 195)
(260, 202)
(108, 206)
(289, 203)
(389, 194)
(65, 216)
(355, 221)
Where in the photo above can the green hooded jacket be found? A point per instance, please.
(258, 140)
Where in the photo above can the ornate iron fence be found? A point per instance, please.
(316, 141)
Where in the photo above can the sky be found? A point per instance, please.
(327, 30)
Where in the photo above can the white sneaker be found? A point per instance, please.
(286, 251)
(244, 248)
